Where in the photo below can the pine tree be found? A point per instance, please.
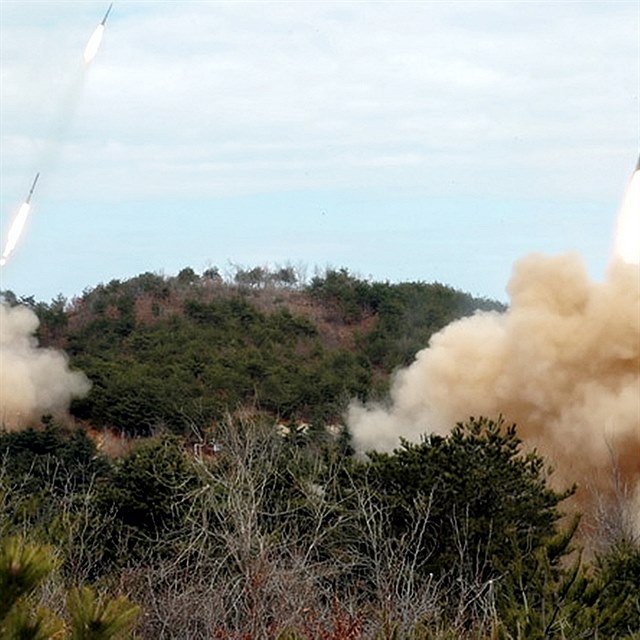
(24, 566)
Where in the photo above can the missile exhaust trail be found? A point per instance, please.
(17, 226)
(627, 238)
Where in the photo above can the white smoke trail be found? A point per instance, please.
(32, 380)
(15, 231)
(91, 50)
(627, 241)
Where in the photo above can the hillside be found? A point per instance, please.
(179, 352)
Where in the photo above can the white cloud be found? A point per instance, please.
(459, 83)
(201, 100)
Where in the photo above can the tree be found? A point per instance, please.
(94, 618)
(488, 503)
(617, 577)
(187, 276)
(24, 566)
(49, 458)
(148, 495)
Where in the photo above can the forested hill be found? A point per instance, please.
(180, 352)
(235, 529)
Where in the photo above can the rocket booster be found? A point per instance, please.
(33, 186)
(106, 15)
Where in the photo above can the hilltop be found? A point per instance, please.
(178, 352)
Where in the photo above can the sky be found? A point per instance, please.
(405, 141)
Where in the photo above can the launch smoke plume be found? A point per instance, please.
(15, 231)
(93, 45)
(32, 380)
(563, 363)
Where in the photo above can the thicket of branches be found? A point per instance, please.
(268, 535)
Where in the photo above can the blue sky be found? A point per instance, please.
(402, 140)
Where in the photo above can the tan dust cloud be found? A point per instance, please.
(563, 363)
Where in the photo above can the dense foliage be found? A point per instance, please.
(407, 314)
(270, 534)
(217, 356)
(477, 489)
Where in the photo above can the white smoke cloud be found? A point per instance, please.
(33, 380)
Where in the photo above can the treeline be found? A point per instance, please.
(180, 352)
(286, 536)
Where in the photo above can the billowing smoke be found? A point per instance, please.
(563, 363)
(33, 380)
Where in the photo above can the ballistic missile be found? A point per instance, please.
(33, 186)
(93, 45)
(106, 15)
